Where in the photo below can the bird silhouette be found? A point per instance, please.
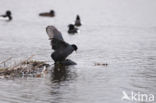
(72, 29)
(61, 48)
(51, 13)
(78, 21)
(7, 15)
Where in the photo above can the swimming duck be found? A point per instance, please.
(61, 48)
(72, 29)
(78, 21)
(7, 15)
(48, 14)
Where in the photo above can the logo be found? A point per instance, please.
(137, 97)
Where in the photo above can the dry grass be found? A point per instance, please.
(24, 68)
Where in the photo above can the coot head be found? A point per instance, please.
(75, 47)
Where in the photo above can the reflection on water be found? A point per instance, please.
(61, 76)
(59, 73)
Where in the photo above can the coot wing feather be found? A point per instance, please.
(58, 44)
(54, 33)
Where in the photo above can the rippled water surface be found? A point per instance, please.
(110, 34)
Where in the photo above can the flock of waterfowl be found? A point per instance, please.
(61, 48)
(72, 28)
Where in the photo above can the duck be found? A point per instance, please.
(61, 48)
(51, 13)
(7, 15)
(78, 21)
(72, 29)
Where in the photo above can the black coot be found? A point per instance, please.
(61, 48)
(72, 29)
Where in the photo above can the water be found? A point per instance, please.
(120, 33)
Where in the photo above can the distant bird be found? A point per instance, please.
(72, 29)
(78, 21)
(61, 48)
(48, 14)
(7, 15)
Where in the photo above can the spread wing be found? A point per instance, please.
(54, 33)
(56, 38)
(58, 44)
